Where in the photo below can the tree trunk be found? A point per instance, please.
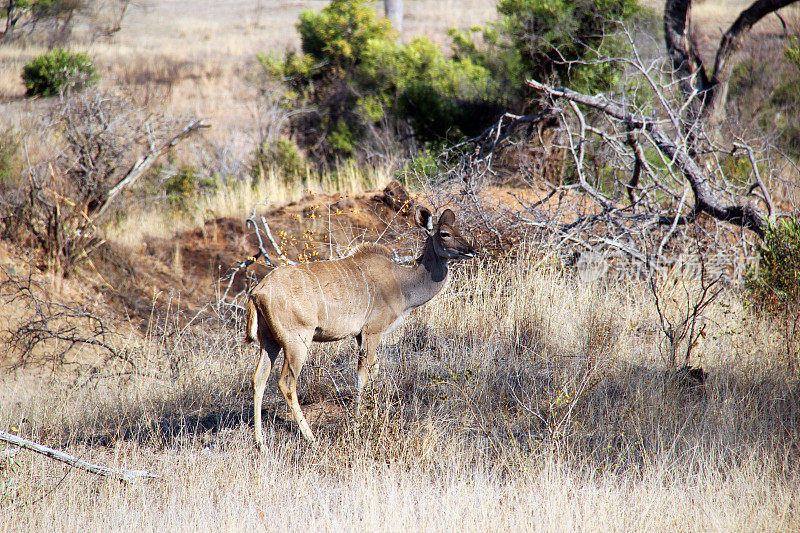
(707, 94)
(394, 12)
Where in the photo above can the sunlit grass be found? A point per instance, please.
(519, 398)
(237, 197)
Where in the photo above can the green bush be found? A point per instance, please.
(341, 31)
(364, 84)
(774, 286)
(284, 156)
(550, 34)
(184, 186)
(775, 283)
(56, 71)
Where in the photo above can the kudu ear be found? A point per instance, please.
(448, 218)
(424, 219)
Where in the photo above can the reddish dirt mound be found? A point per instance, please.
(318, 226)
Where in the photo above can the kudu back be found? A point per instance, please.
(364, 295)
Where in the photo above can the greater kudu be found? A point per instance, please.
(365, 295)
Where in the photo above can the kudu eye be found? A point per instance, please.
(444, 234)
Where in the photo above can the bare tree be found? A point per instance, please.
(707, 91)
(639, 174)
(62, 209)
(24, 16)
(54, 19)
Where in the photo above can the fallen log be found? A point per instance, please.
(123, 474)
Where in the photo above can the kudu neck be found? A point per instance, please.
(427, 277)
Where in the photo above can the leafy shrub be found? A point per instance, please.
(365, 85)
(359, 78)
(340, 32)
(283, 155)
(550, 34)
(775, 284)
(56, 71)
(184, 185)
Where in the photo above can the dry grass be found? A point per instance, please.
(520, 398)
(236, 197)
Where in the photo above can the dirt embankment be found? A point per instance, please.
(181, 276)
(318, 226)
(131, 285)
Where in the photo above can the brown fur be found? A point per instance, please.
(371, 248)
(251, 321)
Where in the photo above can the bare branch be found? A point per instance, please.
(767, 197)
(141, 166)
(128, 476)
(493, 136)
(706, 95)
(638, 163)
(705, 200)
(731, 42)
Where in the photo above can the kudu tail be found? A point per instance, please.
(251, 332)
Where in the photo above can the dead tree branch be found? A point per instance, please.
(141, 166)
(759, 183)
(638, 163)
(705, 200)
(707, 92)
(63, 328)
(493, 137)
(123, 474)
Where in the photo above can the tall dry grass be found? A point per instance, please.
(235, 197)
(519, 398)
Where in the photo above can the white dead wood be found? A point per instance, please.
(142, 165)
(705, 201)
(122, 474)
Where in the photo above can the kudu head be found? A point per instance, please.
(447, 241)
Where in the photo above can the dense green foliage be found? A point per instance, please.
(562, 41)
(549, 35)
(57, 71)
(359, 78)
(283, 155)
(364, 85)
(184, 185)
(775, 284)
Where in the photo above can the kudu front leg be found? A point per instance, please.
(367, 363)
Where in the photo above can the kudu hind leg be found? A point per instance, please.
(268, 353)
(294, 357)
